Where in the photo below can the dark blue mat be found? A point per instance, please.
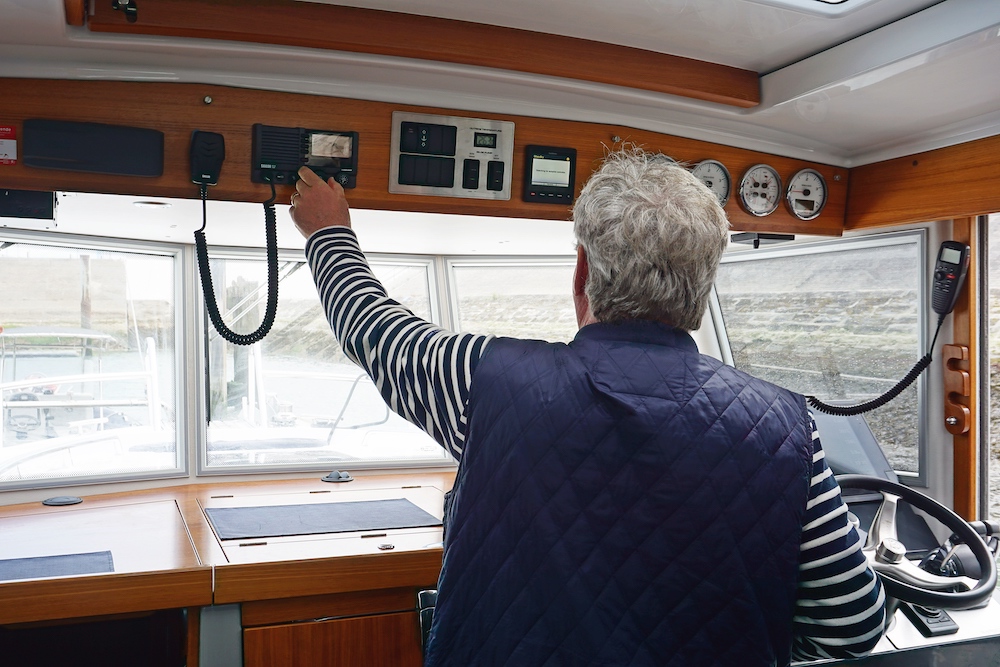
(236, 523)
(43, 567)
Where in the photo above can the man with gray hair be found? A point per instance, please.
(621, 499)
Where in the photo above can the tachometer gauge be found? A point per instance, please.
(716, 177)
(806, 194)
(760, 190)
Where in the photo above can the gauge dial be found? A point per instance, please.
(716, 177)
(806, 194)
(760, 190)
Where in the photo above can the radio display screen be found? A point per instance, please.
(951, 256)
(323, 145)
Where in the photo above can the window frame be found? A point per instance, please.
(452, 262)
(917, 237)
(181, 344)
(191, 333)
(202, 468)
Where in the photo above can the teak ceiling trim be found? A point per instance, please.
(953, 182)
(331, 27)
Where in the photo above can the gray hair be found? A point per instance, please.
(654, 235)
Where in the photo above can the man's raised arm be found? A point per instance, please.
(422, 371)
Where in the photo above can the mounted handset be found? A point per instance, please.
(949, 274)
(208, 151)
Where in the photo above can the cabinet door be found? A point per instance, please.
(386, 640)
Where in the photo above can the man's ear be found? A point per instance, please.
(580, 301)
(581, 272)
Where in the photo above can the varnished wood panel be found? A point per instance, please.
(272, 612)
(141, 536)
(390, 640)
(96, 595)
(318, 576)
(193, 636)
(953, 182)
(76, 12)
(419, 487)
(427, 38)
(965, 327)
(156, 566)
(177, 109)
(177, 580)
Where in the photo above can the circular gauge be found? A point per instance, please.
(806, 194)
(760, 190)
(716, 177)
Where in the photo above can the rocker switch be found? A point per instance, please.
(494, 175)
(470, 175)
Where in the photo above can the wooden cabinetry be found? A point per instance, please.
(384, 640)
(360, 629)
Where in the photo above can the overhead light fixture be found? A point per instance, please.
(832, 9)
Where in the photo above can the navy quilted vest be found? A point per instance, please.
(622, 500)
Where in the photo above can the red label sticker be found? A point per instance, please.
(8, 145)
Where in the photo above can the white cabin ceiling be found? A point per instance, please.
(749, 34)
(890, 78)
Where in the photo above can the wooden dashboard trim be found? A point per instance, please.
(291, 579)
(176, 109)
(337, 582)
(371, 31)
(78, 597)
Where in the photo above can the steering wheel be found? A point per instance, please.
(22, 422)
(902, 578)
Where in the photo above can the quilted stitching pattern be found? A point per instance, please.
(576, 534)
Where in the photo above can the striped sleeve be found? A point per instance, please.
(840, 610)
(422, 371)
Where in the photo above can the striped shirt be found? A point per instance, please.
(424, 374)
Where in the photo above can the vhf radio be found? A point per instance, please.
(279, 152)
(949, 273)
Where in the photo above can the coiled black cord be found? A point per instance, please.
(271, 232)
(868, 406)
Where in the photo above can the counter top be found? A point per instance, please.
(166, 554)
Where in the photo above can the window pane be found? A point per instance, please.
(87, 365)
(294, 400)
(842, 324)
(521, 300)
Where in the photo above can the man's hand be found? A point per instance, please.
(317, 205)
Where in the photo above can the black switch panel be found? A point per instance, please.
(427, 138)
(494, 175)
(930, 622)
(436, 172)
(450, 156)
(470, 175)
